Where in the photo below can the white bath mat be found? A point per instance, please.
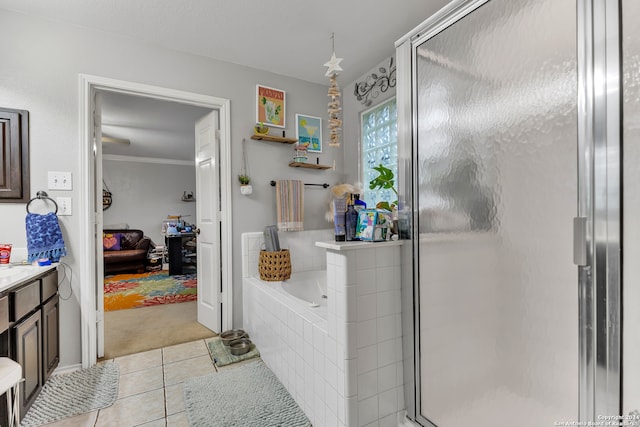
(75, 393)
(248, 396)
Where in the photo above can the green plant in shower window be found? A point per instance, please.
(385, 180)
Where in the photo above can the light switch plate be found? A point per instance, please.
(59, 180)
(64, 205)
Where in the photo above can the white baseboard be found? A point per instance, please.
(67, 369)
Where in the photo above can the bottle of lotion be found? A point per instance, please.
(351, 222)
(339, 210)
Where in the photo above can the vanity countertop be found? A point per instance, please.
(14, 275)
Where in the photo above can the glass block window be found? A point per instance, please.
(379, 132)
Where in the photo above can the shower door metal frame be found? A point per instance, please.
(599, 202)
(599, 184)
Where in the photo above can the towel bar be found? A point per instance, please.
(325, 185)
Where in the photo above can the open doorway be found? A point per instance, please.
(214, 301)
(149, 250)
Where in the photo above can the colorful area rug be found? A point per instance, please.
(124, 291)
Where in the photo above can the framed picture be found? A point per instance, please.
(309, 130)
(270, 106)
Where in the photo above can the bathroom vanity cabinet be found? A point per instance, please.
(29, 333)
(50, 336)
(27, 337)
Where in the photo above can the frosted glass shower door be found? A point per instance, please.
(495, 105)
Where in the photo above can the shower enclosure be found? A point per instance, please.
(511, 195)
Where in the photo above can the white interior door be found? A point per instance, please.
(208, 222)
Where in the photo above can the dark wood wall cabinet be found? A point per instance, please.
(14, 156)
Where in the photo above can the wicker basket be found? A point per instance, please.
(274, 266)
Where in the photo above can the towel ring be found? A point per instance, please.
(41, 195)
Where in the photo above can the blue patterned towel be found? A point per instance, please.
(44, 237)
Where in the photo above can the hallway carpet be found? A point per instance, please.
(147, 328)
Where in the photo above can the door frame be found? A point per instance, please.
(91, 221)
(597, 238)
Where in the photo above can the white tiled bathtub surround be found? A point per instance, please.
(304, 255)
(344, 369)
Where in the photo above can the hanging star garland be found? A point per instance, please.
(335, 122)
(333, 64)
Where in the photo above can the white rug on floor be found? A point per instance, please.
(249, 396)
(75, 393)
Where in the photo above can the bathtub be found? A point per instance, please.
(304, 293)
(308, 286)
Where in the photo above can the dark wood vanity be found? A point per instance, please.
(30, 333)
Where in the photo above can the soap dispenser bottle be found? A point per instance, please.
(351, 221)
(358, 204)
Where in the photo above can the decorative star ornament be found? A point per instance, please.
(333, 64)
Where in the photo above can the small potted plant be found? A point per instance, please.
(261, 129)
(245, 187)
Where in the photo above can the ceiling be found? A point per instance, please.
(156, 129)
(288, 37)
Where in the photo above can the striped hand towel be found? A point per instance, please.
(290, 205)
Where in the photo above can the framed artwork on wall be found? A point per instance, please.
(270, 106)
(309, 130)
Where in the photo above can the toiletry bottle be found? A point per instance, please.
(351, 221)
(339, 211)
(358, 204)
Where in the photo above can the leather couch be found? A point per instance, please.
(132, 255)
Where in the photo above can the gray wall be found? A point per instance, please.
(352, 108)
(145, 193)
(40, 74)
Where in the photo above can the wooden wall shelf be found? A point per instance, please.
(274, 139)
(308, 165)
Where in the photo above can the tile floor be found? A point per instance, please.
(151, 388)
